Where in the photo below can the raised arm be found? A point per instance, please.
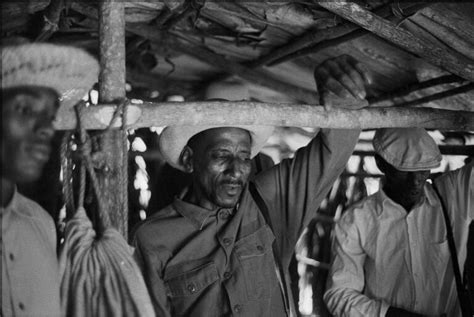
(294, 189)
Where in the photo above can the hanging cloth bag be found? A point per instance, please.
(99, 276)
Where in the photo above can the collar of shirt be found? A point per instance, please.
(389, 204)
(12, 204)
(194, 213)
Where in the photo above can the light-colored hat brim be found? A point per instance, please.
(68, 70)
(173, 139)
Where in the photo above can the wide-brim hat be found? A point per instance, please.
(173, 139)
(407, 149)
(68, 70)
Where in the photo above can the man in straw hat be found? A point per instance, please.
(35, 77)
(391, 254)
(223, 246)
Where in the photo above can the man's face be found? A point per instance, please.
(221, 166)
(408, 187)
(27, 129)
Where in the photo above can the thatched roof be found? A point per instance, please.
(177, 46)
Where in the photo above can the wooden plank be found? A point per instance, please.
(255, 113)
(113, 181)
(447, 59)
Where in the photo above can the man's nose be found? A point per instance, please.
(236, 167)
(45, 128)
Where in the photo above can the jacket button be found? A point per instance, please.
(191, 288)
(223, 214)
(237, 308)
(227, 275)
(227, 241)
(21, 305)
(259, 248)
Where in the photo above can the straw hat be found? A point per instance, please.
(173, 139)
(407, 150)
(68, 70)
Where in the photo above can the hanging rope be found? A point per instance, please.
(99, 276)
(87, 165)
(66, 167)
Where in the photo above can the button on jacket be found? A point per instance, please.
(30, 281)
(199, 262)
(384, 256)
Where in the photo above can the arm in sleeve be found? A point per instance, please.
(345, 283)
(458, 190)
(151, 268)
(294, 189)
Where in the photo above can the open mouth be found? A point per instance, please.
(232, 188)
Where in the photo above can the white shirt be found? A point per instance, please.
(30, 275)
(384, 257)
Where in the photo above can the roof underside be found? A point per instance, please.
(177, 47)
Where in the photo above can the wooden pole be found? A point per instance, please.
(437, 96)
(404, 91)
(255, 113)
(316, 40)
(113, 181)
(449, 60)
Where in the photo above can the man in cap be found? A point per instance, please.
(223, 246)
(35, 77)
(390, 253)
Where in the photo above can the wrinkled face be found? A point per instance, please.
(406, 188)
(220, 165)
(27, 129)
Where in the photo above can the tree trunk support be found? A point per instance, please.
(113, 181)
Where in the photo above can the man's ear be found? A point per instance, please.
(187, 159)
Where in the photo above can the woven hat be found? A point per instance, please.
(173, 139)
(407, 150)
(68, 70)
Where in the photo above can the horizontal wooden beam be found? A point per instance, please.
(255, 113)
(449, 60)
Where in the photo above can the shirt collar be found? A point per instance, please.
(387, 202)
(194, 213)
(12, 204)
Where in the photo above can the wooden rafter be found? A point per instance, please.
(313, 41)
(249, 113)
(403, 91)
(444, 58)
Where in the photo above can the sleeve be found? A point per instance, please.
(457, 187)
(151, 268)
(345, 283)
(294, 189)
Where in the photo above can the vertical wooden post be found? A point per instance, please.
(112, 89)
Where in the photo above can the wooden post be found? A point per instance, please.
(113, 182)
(449, 60)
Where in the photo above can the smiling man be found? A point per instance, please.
(34, 78)
(223, 246)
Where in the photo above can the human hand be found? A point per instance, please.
(341, 81)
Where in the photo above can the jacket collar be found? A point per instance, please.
(194, 213)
